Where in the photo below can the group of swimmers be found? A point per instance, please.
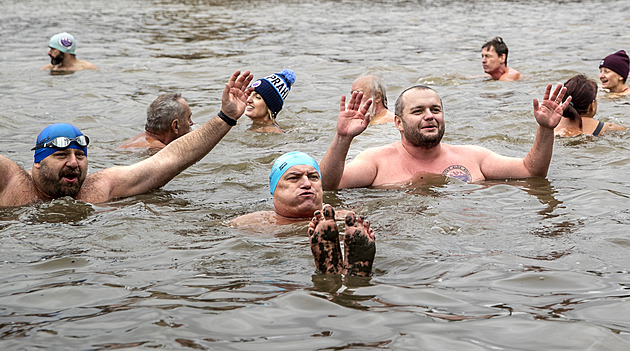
(296, 181)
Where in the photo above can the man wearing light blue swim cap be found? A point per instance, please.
(62, 47)
(296, 186)
(60, 160)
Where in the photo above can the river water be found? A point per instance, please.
(539, 264)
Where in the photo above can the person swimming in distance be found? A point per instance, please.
(61, 163)
(267, 100)
(168, 118)
(578, 116)
(61, 50)
(494, 58)
(613, 72)
(295, 184)
(373, 88)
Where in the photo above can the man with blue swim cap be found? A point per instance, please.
(64, 173)
(62, 47)
(60, 159)
(296, 186)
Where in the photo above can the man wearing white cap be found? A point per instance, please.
(62, 47)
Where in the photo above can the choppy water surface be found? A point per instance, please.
(502, 265)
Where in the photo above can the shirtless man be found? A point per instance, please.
(494, 55)
(168, 118)
(62, 57)
(295, 183)
(420, 120)
(60, 165)
(373, 88)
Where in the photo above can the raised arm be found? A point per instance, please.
(178, 155)
(351, 122)
(536, 162)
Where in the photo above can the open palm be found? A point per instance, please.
(235, 93)
(549, 112)
(353, 119)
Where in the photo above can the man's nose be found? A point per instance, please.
(72, 161)
(306, 182)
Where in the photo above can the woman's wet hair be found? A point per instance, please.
(583, 92)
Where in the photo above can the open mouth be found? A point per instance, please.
(70, 178)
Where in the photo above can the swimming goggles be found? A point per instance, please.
(63, 142)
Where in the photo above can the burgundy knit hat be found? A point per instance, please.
(617, 62)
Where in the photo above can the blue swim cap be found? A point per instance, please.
(286, 161)
(53, 131)
(63, 42)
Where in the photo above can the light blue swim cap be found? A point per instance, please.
(53, 131)
(286, 161)
(63, 42)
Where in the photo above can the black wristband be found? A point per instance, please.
(226, 119)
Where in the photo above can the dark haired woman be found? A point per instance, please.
(578, 116)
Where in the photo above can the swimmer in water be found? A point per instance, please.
(267, 100)
(168, 118)
(578, 116)
(295, 183)
(373, 88)
(613, 72)
(420, 121)
(61, 50)
(494, 58)
(61, 159)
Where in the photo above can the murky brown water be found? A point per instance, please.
(517, 265)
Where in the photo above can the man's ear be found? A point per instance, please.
(398, 123)
(502, 58)
(175, 126)
(377, 98)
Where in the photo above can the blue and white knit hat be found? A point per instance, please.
(275, 88)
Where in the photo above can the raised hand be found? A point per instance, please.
(235, 93)
(549, 112)
(353, 119)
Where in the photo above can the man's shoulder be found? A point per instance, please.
(377, 153)
(511, 75)
(85, 65)
(18, 189)
(142, 141)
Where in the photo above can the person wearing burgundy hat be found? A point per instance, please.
(613, 72)
(267, 100)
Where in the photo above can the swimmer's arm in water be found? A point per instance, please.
(178, 155)
(351, 122)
